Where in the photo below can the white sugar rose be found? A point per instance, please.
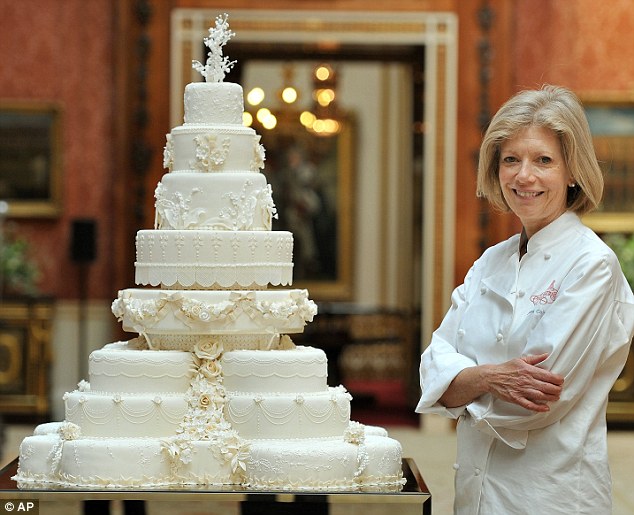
(204, 400)
(208, 348)
(210, 369)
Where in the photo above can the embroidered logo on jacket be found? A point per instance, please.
(547, 297)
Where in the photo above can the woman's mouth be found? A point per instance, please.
(527, 194)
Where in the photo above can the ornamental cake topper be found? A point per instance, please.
(217, 64)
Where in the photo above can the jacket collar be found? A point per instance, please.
(554, 233)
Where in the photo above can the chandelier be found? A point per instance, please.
(323, 116)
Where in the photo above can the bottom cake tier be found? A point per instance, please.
(364, 458)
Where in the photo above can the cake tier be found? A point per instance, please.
(299, 370)
(213, 148)
(177, 312)
(54, 457)
(214, 103)
(325, 464)
(125, 415)
(117, 463)
(218, 202)
(118, 368)
(214, 259)
(289, 415)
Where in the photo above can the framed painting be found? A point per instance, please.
(311, 177)
(612, 125)
(30, 158)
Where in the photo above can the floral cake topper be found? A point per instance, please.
(217, 64)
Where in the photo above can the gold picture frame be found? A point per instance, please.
(611, 119)
(30, 160)
(312, 177)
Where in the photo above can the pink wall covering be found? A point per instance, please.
(61, 51)
(582, 44)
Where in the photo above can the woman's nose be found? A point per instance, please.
(525, 172)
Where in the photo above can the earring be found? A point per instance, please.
(573, 185)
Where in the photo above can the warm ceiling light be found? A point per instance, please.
(266, 118)
(247, 119)
(323, 72)
(270, 122)
(324, 126)
(325, 96)
(331, 126)
(255, 96)
(289, 95)
(307, 119)
(262, 114)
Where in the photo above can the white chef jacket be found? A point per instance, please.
(567, 296)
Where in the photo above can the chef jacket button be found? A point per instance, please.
(520, 293)
(483, 290)
(547, 256)
(499, 337)
(456, 466)
(460, 332)
(477, 471)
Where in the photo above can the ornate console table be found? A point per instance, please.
(25, 334)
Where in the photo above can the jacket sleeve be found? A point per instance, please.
(441, 362)
(587, 332)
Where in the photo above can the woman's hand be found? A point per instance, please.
(521, 382)
(518, 381)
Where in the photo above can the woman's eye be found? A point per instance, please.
(545, 160)
(509, 159)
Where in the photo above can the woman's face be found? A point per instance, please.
(534, 177)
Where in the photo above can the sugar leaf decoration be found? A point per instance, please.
(217, 64)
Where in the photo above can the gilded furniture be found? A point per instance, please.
(25, 355)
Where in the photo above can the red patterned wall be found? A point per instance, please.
(62, 51)
(582, 44)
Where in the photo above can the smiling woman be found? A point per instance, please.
(540, 329)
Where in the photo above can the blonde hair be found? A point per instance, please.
(555, 108)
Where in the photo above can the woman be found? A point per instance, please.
(540, 329)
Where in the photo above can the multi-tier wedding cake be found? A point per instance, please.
(212, 391)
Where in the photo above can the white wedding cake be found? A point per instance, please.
(212, 391)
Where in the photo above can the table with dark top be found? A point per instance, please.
(414, 497)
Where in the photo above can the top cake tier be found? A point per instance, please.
(219, 103)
